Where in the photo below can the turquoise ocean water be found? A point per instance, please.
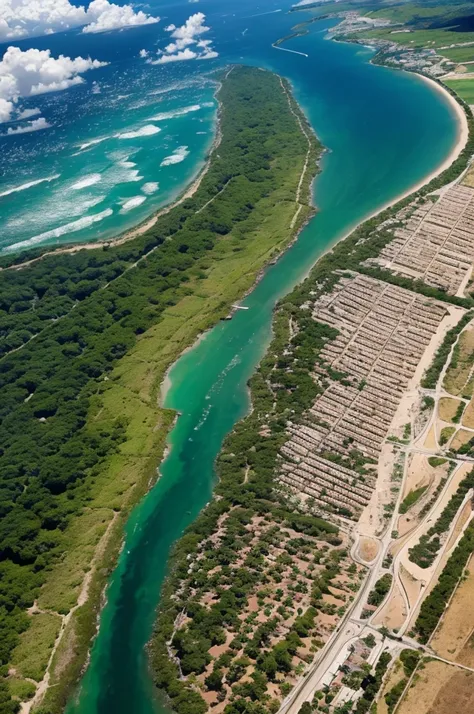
(384, 130)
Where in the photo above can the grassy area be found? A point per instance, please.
(463, 87)
(220, 277)
(411, 12)
(30, 657)
(412, 498)
(446, 434)
(418, 38)
(459, 54)
(436, 461)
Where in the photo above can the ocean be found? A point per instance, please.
(133, 135)
(384, 130)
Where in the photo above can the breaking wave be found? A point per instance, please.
(87, 181)
(176, 113)
(176, 157)
(24, 186)
(78, 225)
(147, 130)
(92, 142)
(150, 187)
(132, 203)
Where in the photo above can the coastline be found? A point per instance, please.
(144, 225)
(151, 473)
(462, 139)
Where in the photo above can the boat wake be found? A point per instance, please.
(295, 52)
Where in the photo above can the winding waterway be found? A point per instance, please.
(385, 131)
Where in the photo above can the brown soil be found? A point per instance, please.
(427, 684)
(368, 549)
(452, 637)
(468, 416)
(461, 438)
(430, 441)
(447, 408)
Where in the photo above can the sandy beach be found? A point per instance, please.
(462, 137)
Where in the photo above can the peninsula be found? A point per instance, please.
(86, 340)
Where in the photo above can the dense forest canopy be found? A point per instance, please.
(68, 318)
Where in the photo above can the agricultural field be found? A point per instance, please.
(463, 87)
(439, 688)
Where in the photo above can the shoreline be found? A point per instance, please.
(144, 225)
(462, 138)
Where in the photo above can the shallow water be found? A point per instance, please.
(385, 131)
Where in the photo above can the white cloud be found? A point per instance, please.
(183, 37)
(34, 125)
(186, 54)
(30, 18)
(28, 113)
(25, 74)
(143, 54)
(103, 15)
(193, 1)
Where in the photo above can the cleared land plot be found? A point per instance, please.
(439, 689)
(436, 242)
(458, 376)
(383, 333)
(468, 416)
(462, 437)
(447, 408)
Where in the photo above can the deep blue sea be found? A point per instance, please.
(129, 138)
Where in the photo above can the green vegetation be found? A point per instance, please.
(445, 434)
(68, 413)
(432, 374)
(380, 591)
(426, 550)
(435, 461)
(409, 660)
(280, 387)
(463, 87)
(372, 684)
(411, 498)
(459, 412)
(435, 604)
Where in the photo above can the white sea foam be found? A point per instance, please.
(24, 186)
(150, 187)
(78, 225)
(92, 142)
(132, 203)
(147, 130)
(87, 181)
(176, 157)
(176, 113)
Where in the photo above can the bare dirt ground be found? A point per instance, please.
(447, 408)
(440, 689)
(461, 437)
(422, 695)
(394, 613)
(451, 640)
(368, 549)
(430, 441)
